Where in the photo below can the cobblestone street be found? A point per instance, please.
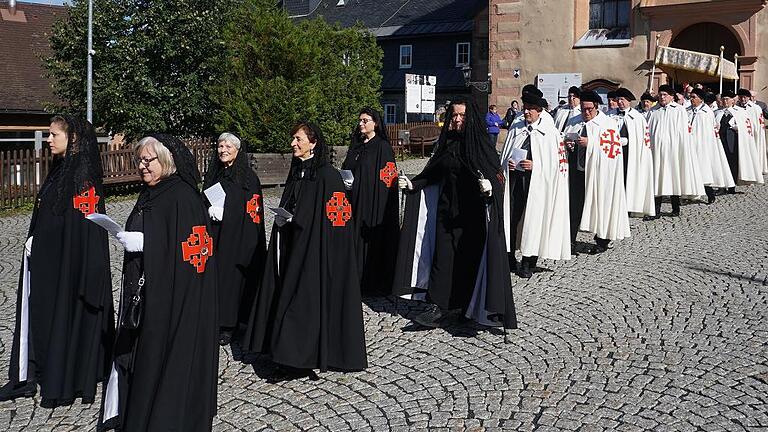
(668, 330)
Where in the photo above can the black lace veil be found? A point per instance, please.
(321, 153)
(238, 170)
(186, 168)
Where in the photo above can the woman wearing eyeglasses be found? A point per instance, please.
(64, 313)
(166, 354)
(374, 202)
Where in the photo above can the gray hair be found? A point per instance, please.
(164, 156)
(230, 138)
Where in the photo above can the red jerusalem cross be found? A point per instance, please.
(86, 201)
(717, 132)
(338, 210)
(610, 143)
(253, 208)
(563, 158)
(749, 127)
(647, 139)
(388, 174)
(197, 248)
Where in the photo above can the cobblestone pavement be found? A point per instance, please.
(665, 331)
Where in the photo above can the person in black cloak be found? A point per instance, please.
(64, 314)
(308, 312)
(165, 366)
(238, 233)
(374, 202)
(452, 251)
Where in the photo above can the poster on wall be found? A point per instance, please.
(555, 86)
(420, 93)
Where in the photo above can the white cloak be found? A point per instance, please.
(758, 124)
(639, 188)
(714, 167)
(545, 223)
(564, 114)
(605, 204)
(675, 166)
(749, 169)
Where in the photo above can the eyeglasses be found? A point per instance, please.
(365, 121)
(589, 109)
(145, 162)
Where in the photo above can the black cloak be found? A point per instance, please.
(374, 202)
(450, 230)
(308, 312)
(165, 372)
(70, 323)
(239, 239)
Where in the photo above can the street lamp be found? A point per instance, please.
(89, 77)
(483, 86)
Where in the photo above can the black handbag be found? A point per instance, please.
(134, 309)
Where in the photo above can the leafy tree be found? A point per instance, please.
(277, 72)
(153, 63)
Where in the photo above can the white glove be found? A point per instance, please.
(624, 141)
(28, 247)
(280, 220)
(404, 183)
(485, 187)
(132, 241)
(348, 184)
(216, 213)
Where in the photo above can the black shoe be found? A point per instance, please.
(674, 214)
(651, 218)
(597, 249)
(525, 269)
(11, 391)
(430, 317)
(731, 191)
(710, 199)
(285, 373)
(225, 336)
(574, 252)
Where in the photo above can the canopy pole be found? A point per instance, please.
(653, 68)
(720, 66)
(736, 81)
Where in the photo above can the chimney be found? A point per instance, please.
(12, 6)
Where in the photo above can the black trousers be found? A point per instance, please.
(674, 199)
(576, 198)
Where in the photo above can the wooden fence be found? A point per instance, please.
(22, 172)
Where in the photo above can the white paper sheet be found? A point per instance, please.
(347, 176)
(517, 156)
(216, 195)
(105, 222)
(281, 212)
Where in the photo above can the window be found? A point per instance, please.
(390, 113)
(609, 14)
(406, 56)
(462, 54)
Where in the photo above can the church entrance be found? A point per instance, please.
(707, 37)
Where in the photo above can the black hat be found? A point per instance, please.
(728, 94)
(529, 88)
(591, 96)
(611, 95)
(699, 92)
(533, 96)
(625, 93)
(573, 90)
(744, 92)
(709, 98)
(647, 96)
(666, 88)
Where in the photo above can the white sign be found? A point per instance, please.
(420, 93)
(555, 86)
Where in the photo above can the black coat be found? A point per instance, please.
(374, 203)
(308, 312)
(240, 246)
(71, 317)
(167, 369)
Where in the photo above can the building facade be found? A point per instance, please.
(612, 43)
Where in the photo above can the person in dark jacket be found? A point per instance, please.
(166, 354)
(64, 314)
(374, 202)
(237, 231)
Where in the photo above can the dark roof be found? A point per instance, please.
(402, 17)
(23, 40)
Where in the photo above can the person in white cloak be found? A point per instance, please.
(536, 188)
(604, 210)
(637, 155)
(758, 127)
(675, 167)
(712, 161)
(647, 102)
(566, 112)
(735, 131)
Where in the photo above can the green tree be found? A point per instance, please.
(153, 64)
(276, 72)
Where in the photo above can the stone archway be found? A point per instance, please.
(707, 37)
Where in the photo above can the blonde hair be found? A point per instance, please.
(164, 156)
